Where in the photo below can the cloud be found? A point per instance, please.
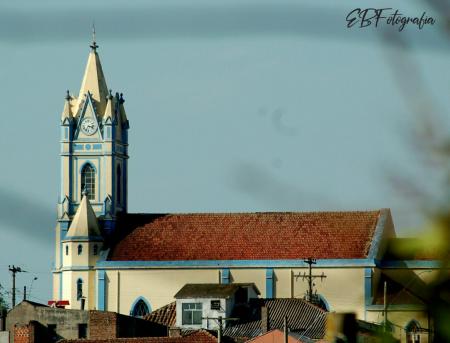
(208, 21)
(265, 187)
(26, 217)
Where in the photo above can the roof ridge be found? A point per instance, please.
(257, 212)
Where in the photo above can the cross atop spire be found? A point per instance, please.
(94, 45)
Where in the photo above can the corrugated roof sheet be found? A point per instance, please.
(212, 290)
(244, 236)
(166, 315)
(303, 318)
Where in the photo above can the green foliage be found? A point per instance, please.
(3, 302)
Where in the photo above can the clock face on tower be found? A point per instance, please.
(88, 126)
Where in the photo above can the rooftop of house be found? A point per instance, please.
(197, 336)
(166, 315)
(304, 319)
(212, 290)
(246, 236)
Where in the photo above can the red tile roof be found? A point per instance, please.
(165, 315)
(245, 236)
(199, 336)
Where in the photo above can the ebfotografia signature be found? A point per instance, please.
(376, 16)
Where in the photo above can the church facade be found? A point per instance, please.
(109, 259)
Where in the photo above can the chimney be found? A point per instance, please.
(3, 313)
(264, 319)
(174, 331)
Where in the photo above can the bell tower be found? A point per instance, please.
(94, 147)
(94, 156)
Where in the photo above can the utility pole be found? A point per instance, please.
(385, 306)
(220, 320)
(285, 330)
(310, 296)
(14, 270)
(24, 292)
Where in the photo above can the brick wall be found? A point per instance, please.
(102, 325)
(24, 333)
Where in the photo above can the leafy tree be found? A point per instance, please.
(3, 302)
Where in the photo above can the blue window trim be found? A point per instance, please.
(79, 281)
(101, 287)
(270, 284)
(367, 290)
(85, 163)
(325, 302)
(225, 276)
(136, 301)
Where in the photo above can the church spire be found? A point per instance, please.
(110, 109)
(67, 111)
(84, 223)
(94, 80)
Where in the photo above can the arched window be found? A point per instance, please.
(79, 289)
(67, 249)
(80, 249)
(413, 332)
(88, 181)
(140, 308)
(119, 184)
(95, 249)
(323, 303)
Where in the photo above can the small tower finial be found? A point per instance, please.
(85, 192)
(68, 97)
(94, 45)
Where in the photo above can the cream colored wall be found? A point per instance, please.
(70, 288)
(158, 286)
(87, 258)
(343, 288)
(400, 319)
(55, 285)
(257, 276)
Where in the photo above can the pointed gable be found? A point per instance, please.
(94, 82)
(84, 223)
(110, 110)
(68, 108)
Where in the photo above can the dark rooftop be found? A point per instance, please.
(212, 290)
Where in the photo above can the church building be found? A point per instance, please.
(109, 259)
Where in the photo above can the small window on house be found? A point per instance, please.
(80, 249)
(79, 289)
(215, 305)
(95, 249)
(67, 249)
(413, 332)
(82, 330)
(192, 314)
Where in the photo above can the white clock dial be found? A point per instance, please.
(88, 126)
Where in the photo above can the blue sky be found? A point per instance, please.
(233, 106)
